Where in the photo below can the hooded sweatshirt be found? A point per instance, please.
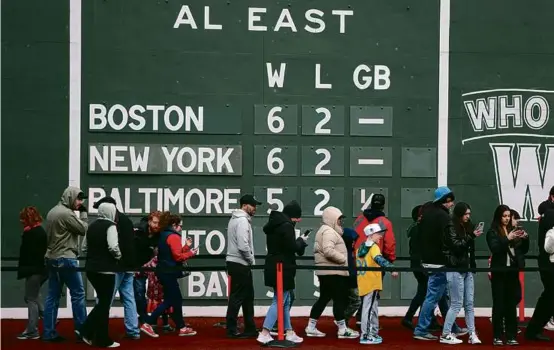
(329, 247)
(63, 228)
(101, 244)
(240, 246)
(282, 246)
(387, 245)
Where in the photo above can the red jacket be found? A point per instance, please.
(387, 244)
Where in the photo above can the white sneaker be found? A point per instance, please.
(291, 336)
(550, 325)
(264, 339)
(347, 333)
(450, 339)
(114, 345)
(474, 339)
(314, 332)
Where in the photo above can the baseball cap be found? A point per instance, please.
(443, 192)
(377, 227)
(249, 199)
(106, 199)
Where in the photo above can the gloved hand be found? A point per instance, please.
(82, 209)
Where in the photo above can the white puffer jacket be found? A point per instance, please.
(549, 244)
(329, 247)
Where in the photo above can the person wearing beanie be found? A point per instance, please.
(330, 251)
(282, 247)
(373, 214)
(435, 224)
(370, 283)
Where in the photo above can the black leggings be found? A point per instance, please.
(96, 326)
(331, 287)
(504, 293)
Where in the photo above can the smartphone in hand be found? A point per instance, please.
(307, 233)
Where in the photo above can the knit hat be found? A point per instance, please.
(106, 199)
(378, 228)
(293, 210)
(442, 193)
(377, 201)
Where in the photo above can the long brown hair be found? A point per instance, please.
(496, 223)
(30, 217)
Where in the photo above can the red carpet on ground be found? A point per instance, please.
(210, 337)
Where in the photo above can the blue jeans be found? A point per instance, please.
(139, 286)
(60, 273)
(436, 287)
(271, 316)
(124, 283)
(460, 287)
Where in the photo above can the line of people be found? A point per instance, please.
(113, 244)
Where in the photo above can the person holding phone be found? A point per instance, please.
(501, 239)
(459, 248)
(282, 247)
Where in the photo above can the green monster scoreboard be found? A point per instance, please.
(187, 105)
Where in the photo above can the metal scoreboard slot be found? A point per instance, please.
(277, 160)
(370, 121)
(371, 161)
(322, 161)
(323, 120)
(275, 119)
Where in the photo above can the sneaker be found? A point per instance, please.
(274, 332)
(427, 336)
(497, 341)
(291, 336)
(512, 342)
(168, 329)
(348, 334)
(148, 330)
(186, 332)
(131, 336)
(461, 332)
(450, 339)
(550, 325)
(407, 324)
(371, 340)
(87, 341)
(57, 339)
(314, 332)
(264, 339)
(114, 345)
(27, 336)
(474, 339)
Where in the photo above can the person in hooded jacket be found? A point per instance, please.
(63, 229)
(330, 251)
(103, 257)
(124, 280)
(282, 247)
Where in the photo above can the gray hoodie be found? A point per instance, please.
(240, 247)
(63, 227)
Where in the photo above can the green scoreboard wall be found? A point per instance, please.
(187, 105)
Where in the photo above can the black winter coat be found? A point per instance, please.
(434, 225)
(499, 246)
(282, 246)
(31, 253)
(459, 246)
(126, 240)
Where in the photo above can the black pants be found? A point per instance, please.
(422, 278)
(545, 305)
(242, 295)
(504, 292)
(172, 299)
(331, 287)
(96, 326)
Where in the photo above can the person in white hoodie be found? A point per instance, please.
(240, 258)
(330, 251)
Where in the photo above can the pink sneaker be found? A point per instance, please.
(186, 332)
(148, 330)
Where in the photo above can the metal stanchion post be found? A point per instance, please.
(522, 322)
(281, 342)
